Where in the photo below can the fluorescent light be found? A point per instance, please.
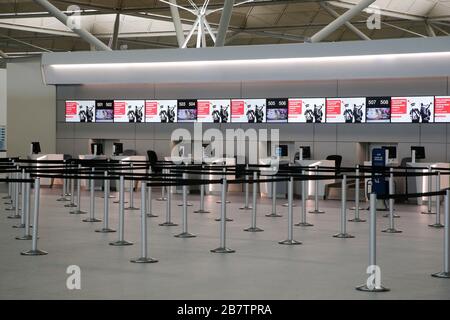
(176, 64)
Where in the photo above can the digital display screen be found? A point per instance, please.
(80, 111)
(104, 111)
(306, 110)
(378, 109)
(161, 111)
(442, 109)
(412, 109)
(248, 110)
(187, 110)
(131, 111)
(346, 110)
(213, 111)
(277, 110)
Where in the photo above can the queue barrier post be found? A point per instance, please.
(168, 222)
(246, 191)
(438, 223)
(106, 197)
(303, 222)
(149, 200)
(144, 258)
(23, 200)
(429, 189)
(223, 221)
(34, 248)
(253, 227)
(72, 203)
(290, 239)
(373, 284)
(92, 217)
(121, 241)
(343, 234)
(202, 198)
(274, 213)
(78, 210)
(16, 214)
(131, 206)
(357, 208)
(446, 272)
(163, 190)
(391, 228)
(185, 233)
(316, 194)
(26, 211)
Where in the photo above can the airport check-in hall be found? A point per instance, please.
(225, 150)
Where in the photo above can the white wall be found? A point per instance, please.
(325, 139)
(2, 101)
(31, 109)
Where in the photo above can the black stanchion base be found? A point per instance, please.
(317, 212)
(27, 237)
(223, 250)
(273, 215)
(357, 220)
(245, 208)
(6, 197)
(105, 230)
(78, 212)
(227, 219)
(10, 209)
(67, 195)
(91, 220)
(63, 199)
(143, 260)
(354, 208)
(19, 226)
(367, 289)
(121, 243)
(151, 215)
(343, 236)
(436, 225)
(118, 201)
(15, 217)
(391, 230)
(168, 224)
(228, 201)
(255, 229)
(34, 253)
(109, 197)
(131, 208)
(185, 235)
(426, 212)
(70, 205)
(442, 274)
(290, 242)
(8, 202)
(201, 211)
(303, 224)
(161, 199)
(387, 215)
(188, 205)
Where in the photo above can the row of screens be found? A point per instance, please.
(423, 109)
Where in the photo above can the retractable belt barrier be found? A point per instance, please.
(22, 174)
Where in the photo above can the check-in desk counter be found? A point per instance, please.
(44, 157)
(420, 184)
(265, 188)
(218, 162)
(311, 184)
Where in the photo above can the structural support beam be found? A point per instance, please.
(93, 41)
(430, 30)
(341, 20)
(115, 36)
(224, 23)
(441, 30)
(3, 55)
(177, 23)
(349, 26)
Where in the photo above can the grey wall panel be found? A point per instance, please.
(297, 132)
(129, 144)
(163, 131)
(60, 111)
(143, 145)
(113, 91)
(65, 130)
(433, 132)
(145, 131)
(162, 148)
(65, 146)
(325, 132)
(348, 152)
(198, 90)
(404, 150)
(380, 132)
(262, 89)
(105, 130)
(324, 149)
(81, 147)
(435, 152)
(393, 87)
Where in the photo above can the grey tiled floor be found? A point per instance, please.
(322, 268)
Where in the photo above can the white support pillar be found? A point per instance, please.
(64, 19)
(341, 20)
(224, 23)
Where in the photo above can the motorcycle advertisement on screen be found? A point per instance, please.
(161, 111)
(442, 109)
(248, 110)
(131, 111)
(80, 111)
(213, 111)
(346, 110)
(412, 109)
